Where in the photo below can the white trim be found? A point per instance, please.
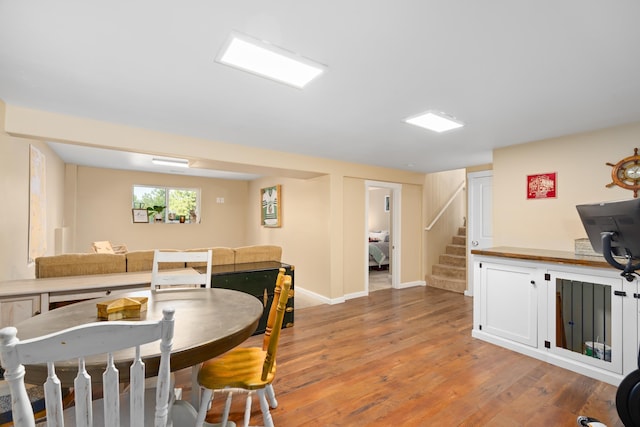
(318, 297)
(356, 295)
(412, 284)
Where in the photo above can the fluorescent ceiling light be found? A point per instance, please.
(181, 163)
(269, 61)
(435, 121)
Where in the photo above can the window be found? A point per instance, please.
(168, 204)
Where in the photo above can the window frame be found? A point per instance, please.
(165, 213)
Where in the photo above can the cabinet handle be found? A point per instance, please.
(533, 282)
(108, 292)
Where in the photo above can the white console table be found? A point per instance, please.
(553, 305)
(22, 299)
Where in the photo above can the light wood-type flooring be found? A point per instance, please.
(407, 358)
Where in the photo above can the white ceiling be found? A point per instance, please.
(513, 71)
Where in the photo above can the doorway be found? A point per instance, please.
(382, 235)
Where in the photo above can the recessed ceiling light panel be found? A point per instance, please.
(181, 163)
(267, 60)
(435, 121)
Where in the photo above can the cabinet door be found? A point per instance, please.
(586, 313)
(14, 310)
(509, 302)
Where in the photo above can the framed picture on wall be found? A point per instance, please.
(542, 186)
(386, 203)
(140, 216)
(271, 206)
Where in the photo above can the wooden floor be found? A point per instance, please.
(406, 357)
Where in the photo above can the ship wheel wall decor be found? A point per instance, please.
(626, 173)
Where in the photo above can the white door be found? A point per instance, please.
(480, 222)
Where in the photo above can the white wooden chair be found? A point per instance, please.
(168, 279)
(98, 338)
(180, 278)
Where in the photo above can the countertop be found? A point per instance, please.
(544, 255)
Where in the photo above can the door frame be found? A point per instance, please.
(394, 233)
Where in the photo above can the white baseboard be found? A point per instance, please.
(331, 301)
(355, 295)
(318, 297)
(411, 284)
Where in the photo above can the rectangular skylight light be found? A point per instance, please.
(435, 121)
(181, 163)
(267, 60)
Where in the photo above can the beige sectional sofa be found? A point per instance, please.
(98, 263)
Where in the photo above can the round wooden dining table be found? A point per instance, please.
(208, 322)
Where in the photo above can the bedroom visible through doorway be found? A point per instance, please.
(382, 202)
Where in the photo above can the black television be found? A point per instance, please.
(613, 229)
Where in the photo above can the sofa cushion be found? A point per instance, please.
(219, 256)
(79, 264)
(258, 253)
(143, 261)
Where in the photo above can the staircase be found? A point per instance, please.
(451, 271)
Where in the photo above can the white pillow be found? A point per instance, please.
(377, 235)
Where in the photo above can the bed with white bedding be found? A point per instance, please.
(378, 249)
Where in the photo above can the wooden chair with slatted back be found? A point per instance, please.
(77, 343)
(175, 279)
(247, 370)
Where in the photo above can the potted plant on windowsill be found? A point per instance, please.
(155, 212)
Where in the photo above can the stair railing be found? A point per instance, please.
(444, 208)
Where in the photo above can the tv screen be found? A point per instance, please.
(622, 218)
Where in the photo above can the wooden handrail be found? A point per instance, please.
(444, 208)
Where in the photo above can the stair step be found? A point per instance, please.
(459, 250)
(454, 260)
(462, 231)
(459, 240)
(449, 271)
(447, 284)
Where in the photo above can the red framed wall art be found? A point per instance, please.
(542, 186)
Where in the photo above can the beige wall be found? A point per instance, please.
(379, 220)
(580, 162)
(412, 223)
(14, 187)
(103, 211)
(303, 235)
(355, 229)
(324, 225)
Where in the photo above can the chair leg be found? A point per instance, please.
(247, 409)
(195, 388)
(204, 405)
(264, 406)
(227, 408)
(271, 395)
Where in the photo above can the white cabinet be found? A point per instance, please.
(509, 302)
(581, 318)
(14, 310)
